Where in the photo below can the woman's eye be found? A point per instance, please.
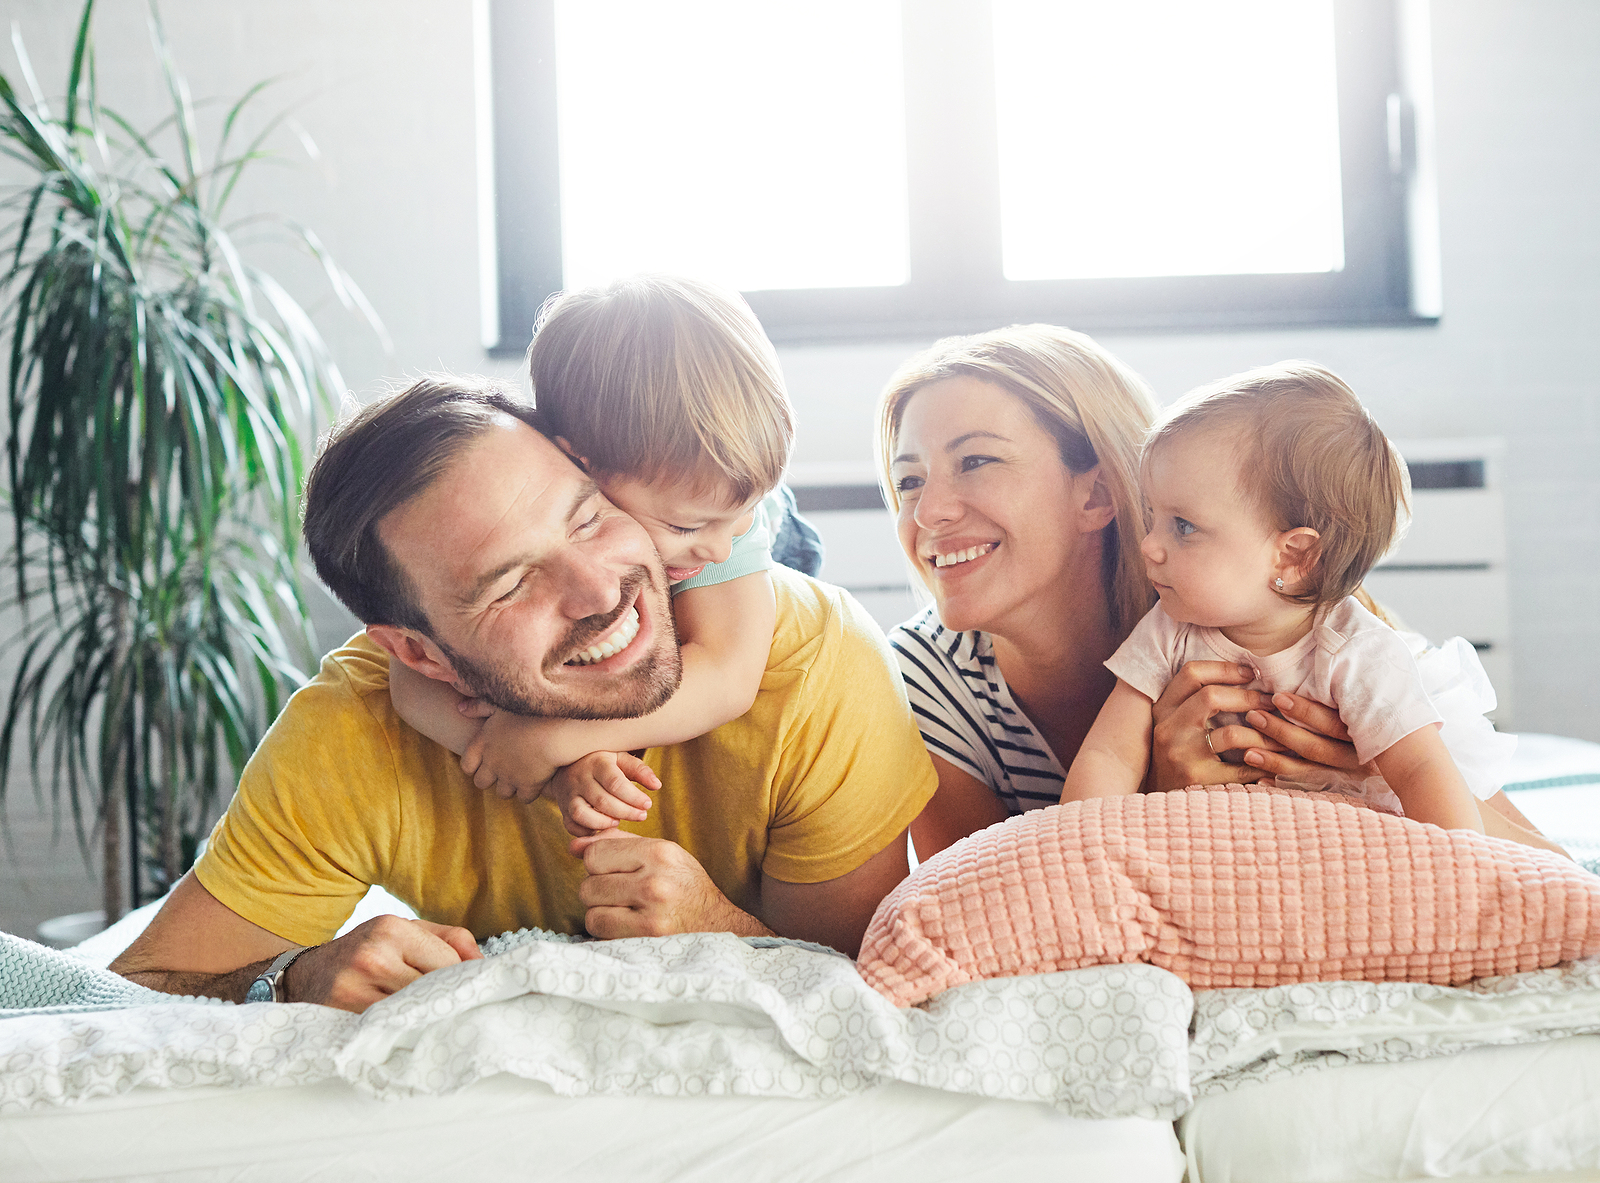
(968, 463)
(1183, 527)
(907, 483)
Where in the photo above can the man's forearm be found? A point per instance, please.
(231, 986)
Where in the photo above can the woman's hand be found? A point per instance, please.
(1306, 735)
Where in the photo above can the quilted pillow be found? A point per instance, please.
(1229, 886)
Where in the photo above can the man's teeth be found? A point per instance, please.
(615, 643)
(963, 556)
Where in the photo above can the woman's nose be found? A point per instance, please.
(936, 505)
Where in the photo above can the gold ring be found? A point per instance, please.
(1208, 742)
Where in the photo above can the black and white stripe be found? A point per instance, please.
(967, 715)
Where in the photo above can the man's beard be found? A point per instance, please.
(644, 687)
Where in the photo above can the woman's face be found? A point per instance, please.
(993, 520)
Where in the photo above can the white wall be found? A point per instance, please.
(386, 91)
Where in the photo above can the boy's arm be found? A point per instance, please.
(1116, 752)
(429, 706)
(1422, 774)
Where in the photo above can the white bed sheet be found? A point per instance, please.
(506, 1128)
(1498, 1111)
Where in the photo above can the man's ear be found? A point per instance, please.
(1298, 552)
(560, 441)
(414, 650)
(1096, 510)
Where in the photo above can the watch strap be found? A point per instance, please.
(272, 976)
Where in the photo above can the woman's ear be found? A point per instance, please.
(1298, 552)
(1096, 510)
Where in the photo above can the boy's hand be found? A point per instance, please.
(598, 791)
(508, 754)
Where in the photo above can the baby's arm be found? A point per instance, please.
(429, 705)
(725, 634)
(1422, 774)
(1116, 752)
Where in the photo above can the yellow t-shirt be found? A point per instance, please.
(824, 771)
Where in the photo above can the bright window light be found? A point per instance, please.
(1167, 138)
(758, 144)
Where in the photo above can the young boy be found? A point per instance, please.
(667, 392)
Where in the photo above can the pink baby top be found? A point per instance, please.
(1350, 660)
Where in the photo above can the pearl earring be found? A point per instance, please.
(1278, 583)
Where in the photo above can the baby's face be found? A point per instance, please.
(1209, 552)
(689, 524)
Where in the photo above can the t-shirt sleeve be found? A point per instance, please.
(1144, 660)
(1378, 691)
(310, 827)
(853, 772)
(946, 714)
(750, 552)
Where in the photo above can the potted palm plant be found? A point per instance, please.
(158, 389)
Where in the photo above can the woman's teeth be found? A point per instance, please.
(963, 556)
(619, 640)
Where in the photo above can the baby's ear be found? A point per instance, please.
(1298, 551)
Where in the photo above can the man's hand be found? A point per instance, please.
(649, 887)
(374, 960)
(598, 791)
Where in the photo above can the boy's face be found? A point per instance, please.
(691, 523)
(1210, 552)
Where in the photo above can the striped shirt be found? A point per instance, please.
(967, 715)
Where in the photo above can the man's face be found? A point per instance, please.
(544, 598)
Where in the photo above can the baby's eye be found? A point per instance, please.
(907, 483)
(683, 531)
(1183, 527)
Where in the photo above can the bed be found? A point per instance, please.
(719, 1061)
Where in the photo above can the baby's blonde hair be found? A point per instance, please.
(1095, 408)
(658, 376)
(1308, 454)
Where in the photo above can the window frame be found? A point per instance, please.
(956, 280)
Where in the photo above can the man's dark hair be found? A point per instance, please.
(374, 462)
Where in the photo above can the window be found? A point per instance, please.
(879, 168)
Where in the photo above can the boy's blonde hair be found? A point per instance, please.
(1308, 455)
(1095, 408)
(659, 376)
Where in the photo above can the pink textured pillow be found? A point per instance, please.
(1229, 887)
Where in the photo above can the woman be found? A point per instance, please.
(1011, 458)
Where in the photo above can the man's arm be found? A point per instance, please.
(198, 946)
(651, 887)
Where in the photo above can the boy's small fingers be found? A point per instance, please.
(484, 779)
(637, 770)
(528, 794)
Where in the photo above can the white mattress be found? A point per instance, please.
(504, 1128)
(1528, 1109)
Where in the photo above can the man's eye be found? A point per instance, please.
(515, 588)
(907, 483)
(1183, 527)
(594, 521)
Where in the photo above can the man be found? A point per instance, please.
(477, 553)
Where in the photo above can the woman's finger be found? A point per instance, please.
(1309, 745)
(1236, 738)
(1195, 676)
(1312, 715)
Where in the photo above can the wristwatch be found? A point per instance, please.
(269, 986)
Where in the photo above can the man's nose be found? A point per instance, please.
(588, 587)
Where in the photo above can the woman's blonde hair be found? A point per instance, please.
(1307, 454)
(1095, 408)
(658, 376)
